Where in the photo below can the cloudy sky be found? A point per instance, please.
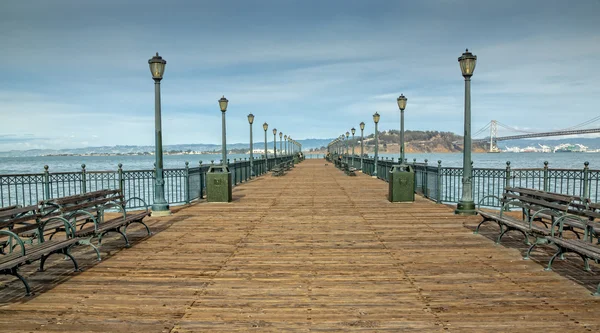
(75, 73)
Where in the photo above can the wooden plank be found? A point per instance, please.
(314, 250)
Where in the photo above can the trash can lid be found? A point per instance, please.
(218, 169)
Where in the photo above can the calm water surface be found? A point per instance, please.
(481, 160)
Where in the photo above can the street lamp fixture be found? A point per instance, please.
(223, 105)
(401, 105)
(353, 130)
(160, 207)
(362, 145)
(266, 127)
(466, 206)
(251, 121)
(285, 140)
(376, 118)
(280, 145)
(347, 152)
(275, 143)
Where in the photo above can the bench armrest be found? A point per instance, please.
(145, 205)
(69, 228)
(113, 204)
(561, 223)
(83, 212)
(505, 206)
(487, 196)
(543, 211)
(11, 235)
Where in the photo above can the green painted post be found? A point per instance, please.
(200, 190)
(160, 206)
(83, 179)
(507, 179)
(466, 205)
(362, 145)
(121, 180)
(546, 180)
(439, 182)
(251, 121)
(376, 118)
(424, 181)
(46, 183)
(586, 179)
(186, 184)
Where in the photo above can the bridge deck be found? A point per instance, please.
(314, 250)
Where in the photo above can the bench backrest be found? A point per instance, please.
(19, 217)
(84, 202)
(535, 200)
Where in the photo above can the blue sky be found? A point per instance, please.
(75, 73)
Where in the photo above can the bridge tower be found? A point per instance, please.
(493, 136)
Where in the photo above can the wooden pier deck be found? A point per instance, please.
(312, 251)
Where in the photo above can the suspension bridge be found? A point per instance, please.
(493, 138)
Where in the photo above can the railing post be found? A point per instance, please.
(546, 180)
(46, 183)
(507, 176)
(439, 182)
(83, 179)
(424, 184)
(187, 179)
(586, 178)
(120, 179)
(201, 181)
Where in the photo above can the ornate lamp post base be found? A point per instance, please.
(465, 208)
(160, 210)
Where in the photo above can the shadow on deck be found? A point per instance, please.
(314, 250)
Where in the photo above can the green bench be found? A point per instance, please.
(587, 247)
(537, 207)
(86, 214)
(22, 219)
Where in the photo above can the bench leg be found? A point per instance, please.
(538, 241)
(140, 222)
(15, 273)
(117, 231)
(88, 241)
(597, 293)
(482, 222)
(63, 251)
(558, 253)
(527, 242)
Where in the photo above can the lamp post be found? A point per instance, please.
(285, 140)
(466, 206)
(342, 145)
(266, 127)
(275, 143)
(401, 105)
(251, 120)
(280, 143)
(376, 118)
(347, 152)
(223, 105)
(160, 207)
(353, 130)
(362, 130)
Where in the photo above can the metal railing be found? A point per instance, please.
(181, 185)
(444, 184)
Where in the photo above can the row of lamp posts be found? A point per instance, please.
(466, 205)
(160, 206)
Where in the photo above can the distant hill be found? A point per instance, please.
(116, 150)
(416, 141)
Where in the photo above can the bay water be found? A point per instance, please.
(20, 165)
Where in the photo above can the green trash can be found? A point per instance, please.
(402, 183)
(218, 184)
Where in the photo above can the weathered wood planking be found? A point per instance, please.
(314, 250)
